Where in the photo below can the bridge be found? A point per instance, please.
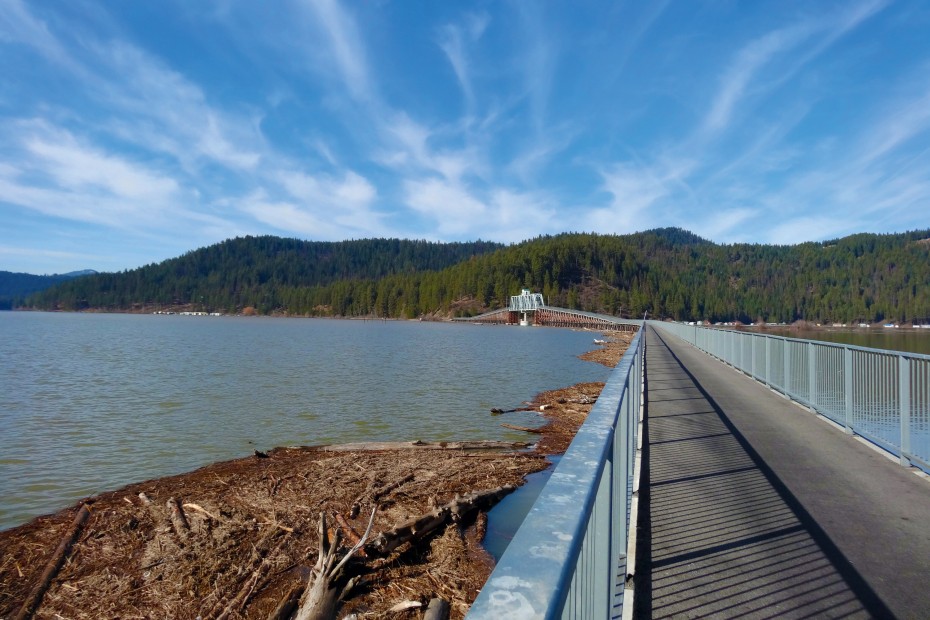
(529, 309)
(728, 474)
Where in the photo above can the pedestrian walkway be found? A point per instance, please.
(753, 507)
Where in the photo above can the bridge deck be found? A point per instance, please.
(753, 507)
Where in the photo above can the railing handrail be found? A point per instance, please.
(880, 394)
(822, 343)
(579, 513)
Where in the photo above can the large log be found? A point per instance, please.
(525, 429)
(458, 509)
(53, 566)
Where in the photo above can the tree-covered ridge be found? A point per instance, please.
(17, 285)
(665, 272)
(246, 271)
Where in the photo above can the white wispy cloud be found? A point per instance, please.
(537, 61)
(458, 211)
(772, 59)
(77, 167)
(719, 224)
(344, 43)
(346, 200)
(454, 40)
(12, 250)
(521, 215)
(286, 216)
(17, 24)
(453, 209)
(636, 27)
(798, 229)
(636, 191)
(325, 208)
(903, 121)
(740, 167)
(409, 150)
(749, 61)
(161, 108)
(60, 175)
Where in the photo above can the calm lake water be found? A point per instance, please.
(909, 340)
(90, 402)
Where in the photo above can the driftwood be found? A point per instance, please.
(378, 494)
(330, 582)
(497, 411)
(262, 553)
(423, 445)
(481, 526)
(157, 517)
(53, 566)
(201, 510)
(251, 585)
(288, 605)
(526, 429)
(178, 520)
(458, 509)
(328, 585)
(349, 532)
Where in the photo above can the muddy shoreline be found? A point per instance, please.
(248, 529)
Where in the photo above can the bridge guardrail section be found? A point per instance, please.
(879, 394)
(569, 557)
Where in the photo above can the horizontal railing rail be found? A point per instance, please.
(569, 557)
(881, 395)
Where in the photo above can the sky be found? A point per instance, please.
(133, 132)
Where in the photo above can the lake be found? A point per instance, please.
(90, 402)
(900, 339)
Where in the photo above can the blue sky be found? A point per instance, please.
(132, 132)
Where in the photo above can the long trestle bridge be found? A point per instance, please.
(729, 474)
(529, 309)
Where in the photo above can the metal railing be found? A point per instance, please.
(569, 557)
(882, 395)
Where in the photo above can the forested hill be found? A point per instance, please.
(17, 285)
(247, 271)
(668, 272)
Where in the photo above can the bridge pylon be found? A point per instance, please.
(526, 304)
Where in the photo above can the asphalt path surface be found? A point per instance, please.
(754, 507)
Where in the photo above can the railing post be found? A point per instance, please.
(787, 361)
(617, 525)
(811, 376)
(602, 564)
(848, 386)
(742, 353)
(765, 370)
(904, 398)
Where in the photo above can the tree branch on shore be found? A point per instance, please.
(331, 583)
